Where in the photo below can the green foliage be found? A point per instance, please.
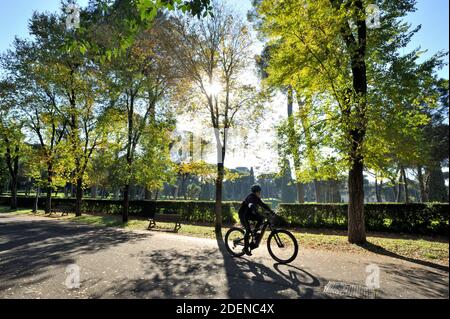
(153, 167)
(131, 18)
(425, 219)
(192, 211)
(310, 51)
(193, 191)
(4, 174)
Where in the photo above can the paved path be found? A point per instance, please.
(114, 263)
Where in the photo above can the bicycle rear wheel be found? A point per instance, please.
(282, 246)
(235, 242)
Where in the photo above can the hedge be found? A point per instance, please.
(425, 219)
(195, 211)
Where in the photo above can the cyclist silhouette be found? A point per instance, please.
(249, 212)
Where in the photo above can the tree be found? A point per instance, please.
(138, 79)
(213, 54)
(4, 173)
(291, 130)
(325, 47)
(193, 191)
(131, 17)
(56, 88)
(57, 93)
(11, 143)
(436, 132)
(36, 100)
(154, 166)
(186, 170)
(75, 78)
(405, 97)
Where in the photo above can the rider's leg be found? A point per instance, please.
(247, 234)
(252, 216)
(259, 221)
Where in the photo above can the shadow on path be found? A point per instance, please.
(420, 281)
(382, 251)
(206, 273)
(250, 279)
(27, 248)
(168, 274)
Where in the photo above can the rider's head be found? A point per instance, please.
(256, 189)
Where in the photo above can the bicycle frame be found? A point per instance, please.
(256, 236)
(266, 224)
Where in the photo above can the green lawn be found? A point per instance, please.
(422, 248)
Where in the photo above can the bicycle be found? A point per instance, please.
(281, 244)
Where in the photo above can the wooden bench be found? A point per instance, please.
(168, 218)
(64, 209)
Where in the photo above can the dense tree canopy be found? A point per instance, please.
(352, 80)
(95, 110)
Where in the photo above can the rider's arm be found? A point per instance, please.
(263, 205)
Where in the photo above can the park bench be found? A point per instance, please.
(63, 209)
(169, 217)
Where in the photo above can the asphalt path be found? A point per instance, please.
(47, 258)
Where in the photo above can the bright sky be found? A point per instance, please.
(432, 14)
(434, 36)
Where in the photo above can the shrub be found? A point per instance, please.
(195, 211)
(426, 219)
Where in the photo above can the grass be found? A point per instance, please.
(409, 246)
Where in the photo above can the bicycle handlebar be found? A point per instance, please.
(271, 212)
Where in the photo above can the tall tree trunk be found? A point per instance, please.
(394, 190)
(12, 162)
(221, 149)
(14, 191)
(399, 188)
(357, 48)
(356, 223)
(48, 201)
(219, 191)
(79, 197)
(405, 184)
(36, 199)
(75, 143)
(94, 191)
(335, 194)
(182, 186)
(129, 158)
(378, 190)
(329, 192)
(294, 144)
(437, 190)
(126, 203)
(14, 179)
(132, 192)
(423, 194)
(300, 192)
(318, 191)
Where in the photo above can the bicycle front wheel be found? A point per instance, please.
(282, 246)
(235, 242)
